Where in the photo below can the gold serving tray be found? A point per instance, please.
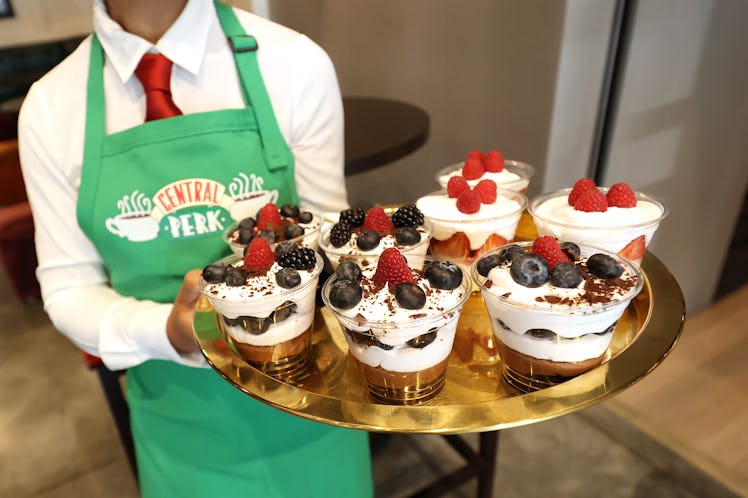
(475, 396)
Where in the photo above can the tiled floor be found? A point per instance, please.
(57, 439)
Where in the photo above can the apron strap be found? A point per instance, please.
(245, 47)
(95, 131)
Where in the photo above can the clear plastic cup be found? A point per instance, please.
(461, 238)
(403, 354)
(626, 231)
(545, 334)
(515, 176)
(309, 239)
(270, 330)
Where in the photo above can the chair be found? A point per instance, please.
(17, 251)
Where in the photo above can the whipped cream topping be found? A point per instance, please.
(500, 218)
(557, 209)
(379, 316)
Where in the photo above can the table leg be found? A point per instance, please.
(489, 449)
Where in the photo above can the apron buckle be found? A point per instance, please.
(242, 43)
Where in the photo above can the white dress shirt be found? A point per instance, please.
(303, 89)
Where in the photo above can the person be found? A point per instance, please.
(132, 149)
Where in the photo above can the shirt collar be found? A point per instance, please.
(184, 43)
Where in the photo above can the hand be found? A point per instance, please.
(179, 327)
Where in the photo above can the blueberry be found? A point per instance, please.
(410, 296)
(542, 333)
(289, 211)
(288, 278)
(348, 270)
(284, 248)
(510, 252)
(566, 275)
(283, 311)
(345, 294)
(367, 240)
(268, 235)
(214, 274)
(407, 236)
(251, 324)
(488, 263)
(305, 217)
(604, 266)
(245, 235)
(235, 276)
(423, 340)
(292, 231)
(529, 270)
(444, 275)
(571, 250)
(248, 223)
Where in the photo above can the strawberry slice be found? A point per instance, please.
(634, 250)
(492, 242)
(457, 247)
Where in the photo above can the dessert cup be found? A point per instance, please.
(270, 326)
(515, 176)
(309, 239)
(460, 237)
(627, 231)
(549, 334)
(415, 253)
(402, 354)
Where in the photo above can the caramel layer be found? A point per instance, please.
(533, 366)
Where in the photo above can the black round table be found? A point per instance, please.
(379, 131)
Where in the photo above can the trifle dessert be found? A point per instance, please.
(507, 174)
(362, 236)
(274, 224)
(265, 303)
(553, 306)
(468, 222)
(617, 218)
(399, 322)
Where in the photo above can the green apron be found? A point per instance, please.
(154, 200)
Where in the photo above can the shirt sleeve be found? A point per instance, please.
(122, 331)
(317, 129)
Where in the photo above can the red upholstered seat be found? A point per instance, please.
(17, 251)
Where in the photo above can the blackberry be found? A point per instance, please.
(353, 217)
(302, 258)
(340, 234)
(407, 216)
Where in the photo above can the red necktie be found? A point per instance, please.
(154, 72)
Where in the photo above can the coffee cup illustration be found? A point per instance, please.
(249, 196)
(135, 228)
(134, 221)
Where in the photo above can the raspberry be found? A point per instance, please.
(621, 195)
(456, 185)
(259, 257)
(493, 161)
(472, 169)
(475, 154)
(581, 186)
(548, 248)
(392, 269)
(269, 217)
(407, 216)
(486, 189)
(591, 201)
(354, 217)
(377, 220)
(468, 202)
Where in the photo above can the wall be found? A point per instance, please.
(40, 21)
(484, 70)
